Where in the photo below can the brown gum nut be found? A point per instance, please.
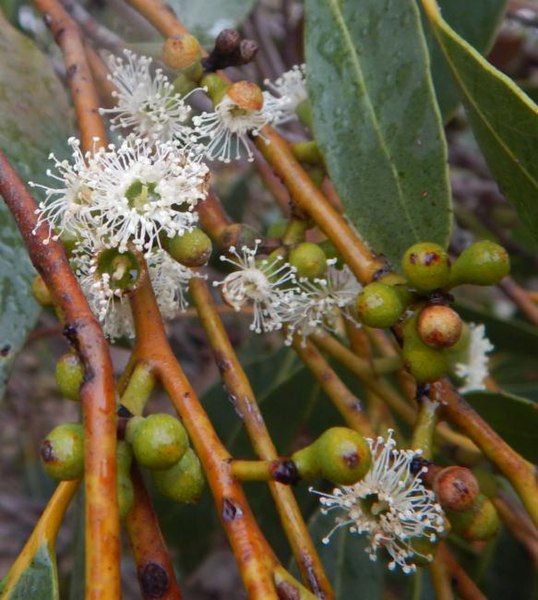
(181, 51)
(456, 488)
(439, 326)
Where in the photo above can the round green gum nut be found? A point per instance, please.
(132, 425)
(192, 249)
(343, 455)
(184, 482)
(159, 441)
(125, 491)
(480, 523)
(62, 452)
(69, 375)
(426, 266)
(424, 363)
(309, 260)
(41, 292)
(379, 305)
(482, 263)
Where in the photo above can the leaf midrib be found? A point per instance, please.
(335, 9)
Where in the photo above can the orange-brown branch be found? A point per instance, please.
(253, 556)
(153, 564)
(97, 392)
(67, 36)
(239, 387)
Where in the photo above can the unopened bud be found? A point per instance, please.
(482, 263)
(248, 50)
(309, 260)
(69, 375)
(439, 326)
(426, 266)
(227, 41)
(246, 95)
(457, 488)
(62, 452)
(479, 523)
(184, 482)
(181, 51)
(191, 249)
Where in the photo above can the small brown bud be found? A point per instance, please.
(247, 50)
(227, 41)
(439, 326)
(246, 95)
(181, 51)
(457, 488)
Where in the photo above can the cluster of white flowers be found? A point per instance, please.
(286, 94)
(279, 298)
(474, 370)
(390, 506)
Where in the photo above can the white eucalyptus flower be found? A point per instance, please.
(285, 95)
(318, 304)
(144, 191)
(225, 132)
(170, 281)
(474, 370)
(68, 208)
(258, 283)
(390, 506)
(146, 101)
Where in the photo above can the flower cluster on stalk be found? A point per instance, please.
(390, 506)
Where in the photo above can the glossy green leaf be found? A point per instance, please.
(376, 120)
(34, 120)
(515, 419)
(38, 582)
(476, 22)
(503, 118)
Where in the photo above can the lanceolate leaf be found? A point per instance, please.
(475, 22)
(34, 120)
(376, 119)
(515, 419)
(39, 581)
(503, 118)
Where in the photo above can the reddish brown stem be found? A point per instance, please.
(97, 391)
(521, 299)
(153, 564)
(254, 558)
(347, 404)
(79, 77)
(239, 387)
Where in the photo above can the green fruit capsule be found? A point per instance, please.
(69, 375)
(191, 249)
(184, 482)
(62, 452)
(309, 260)
(379, 305)
(482, 263)
(425, 364)
(307, 462)
(41, 292)
(480, 523)
(439, 326)
(426, 266)
(343, 455)
(159, 441)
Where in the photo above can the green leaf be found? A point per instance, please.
(39, 581)
(515, 419)
(504, 120)
(376, 120)
(34, 120)
(207, 19)
(476, 22)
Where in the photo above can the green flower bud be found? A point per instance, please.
(309, 260)
(191, 249)
(482, 263)
(184, 482)
(426, 266)
(479, 523)
(69, 375)
(62, 452)
(379, 305)
(339, 454)
(426, 364)
(41, 292)
(159, 441)
(343, 455)
(439, 326)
